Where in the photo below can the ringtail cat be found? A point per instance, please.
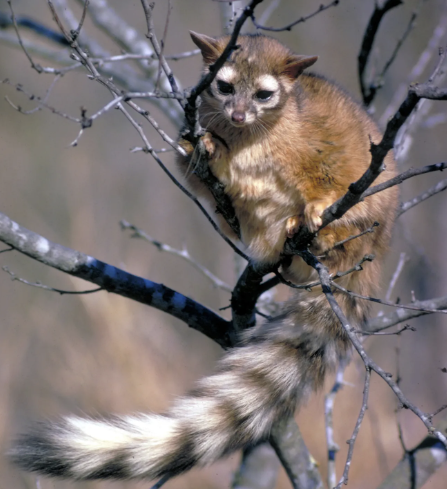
(285, 145)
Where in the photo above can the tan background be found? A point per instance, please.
(101, 353)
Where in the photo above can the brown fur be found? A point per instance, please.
(293, 144)
(285, 168)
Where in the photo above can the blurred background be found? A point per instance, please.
(100, 353)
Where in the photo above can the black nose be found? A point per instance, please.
(238, 116)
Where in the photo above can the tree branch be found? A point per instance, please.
(367, 43)
(418, 464)
(289, 445)
(380, 323)
(117, 281)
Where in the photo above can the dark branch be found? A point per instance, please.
(367, 43)
(37, 27)
(115, 280)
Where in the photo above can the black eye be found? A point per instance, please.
(264, 95)
(225, 88)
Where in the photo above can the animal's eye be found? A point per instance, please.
(225, 88)
(264, 95)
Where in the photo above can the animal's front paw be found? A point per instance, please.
(313, 212)
(215, 149)
(293, 224)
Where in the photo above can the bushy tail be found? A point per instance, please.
(254, 385)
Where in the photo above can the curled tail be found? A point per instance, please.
(254, 385)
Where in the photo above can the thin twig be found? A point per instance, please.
(14, 277)
(418, 69)
(35, 66)
(407, 327)
(139, 233)
(385, 303)
(148, 149)
(329, 402)
(438, 410)
(148, 8)
(381, 323)
(400, 266)
(289, 27)
(412, 172)
(436, 189)
(350, 238)
(367, 43)
(351, 441)
(185, 54)
(75, 33)
(308, 286)
(33, 97)
(378, 82)
(323, 273)
(117, 281)
(162, 44)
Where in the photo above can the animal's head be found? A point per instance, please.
(255, 82)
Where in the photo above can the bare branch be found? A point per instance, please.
(436, 189)
(289, 27)
(35, 66)
(402, 315)
(41, 102)
(350, 238)
(418, 464)
(14, 277)
(368, 41)
(428, 91)
(400, 266)
(375, 85)
(139, 233)
(412, 172)
(418, 69)
(407, 327)
(369, 363)
(37, 27)
(115, 27)
(289, 445)
(384, 302)
(258, 469)
(351, 441)
(75, 32)
(115, 280)
(148, 149)
(148, 8)
(332, 447)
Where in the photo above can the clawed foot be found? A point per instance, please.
(292, 225)
(213, 146)
(311, 218)
(313, 213)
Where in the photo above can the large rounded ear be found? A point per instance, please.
(296, 64)
(208, 46)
